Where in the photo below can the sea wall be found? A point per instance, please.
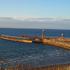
(56, 43)
(18, 40)
(63, 39)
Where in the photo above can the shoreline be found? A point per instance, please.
(22, 66)
(65, 66)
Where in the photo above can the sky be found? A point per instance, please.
(37, 14)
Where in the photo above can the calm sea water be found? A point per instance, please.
(34, 54)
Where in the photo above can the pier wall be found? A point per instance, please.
(18, 40)
(56, 43)
(63, 39)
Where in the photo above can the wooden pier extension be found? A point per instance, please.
(13, 38)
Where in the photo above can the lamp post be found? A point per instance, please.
(62, 35)
(42, 34)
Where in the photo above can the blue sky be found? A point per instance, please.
(43, 14)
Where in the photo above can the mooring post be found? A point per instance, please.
(62, 35)
(42, 34)
(2, 34)
(21, 35)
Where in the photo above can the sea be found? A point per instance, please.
(35, 54)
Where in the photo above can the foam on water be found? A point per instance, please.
(34, 54)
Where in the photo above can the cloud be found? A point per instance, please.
(66, 19)
(47, 19)
(38, 19)
(45, 23)
(6, 18)
(34, 19)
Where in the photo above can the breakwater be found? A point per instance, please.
(55, 41)
(62, 42)
(13, 38)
